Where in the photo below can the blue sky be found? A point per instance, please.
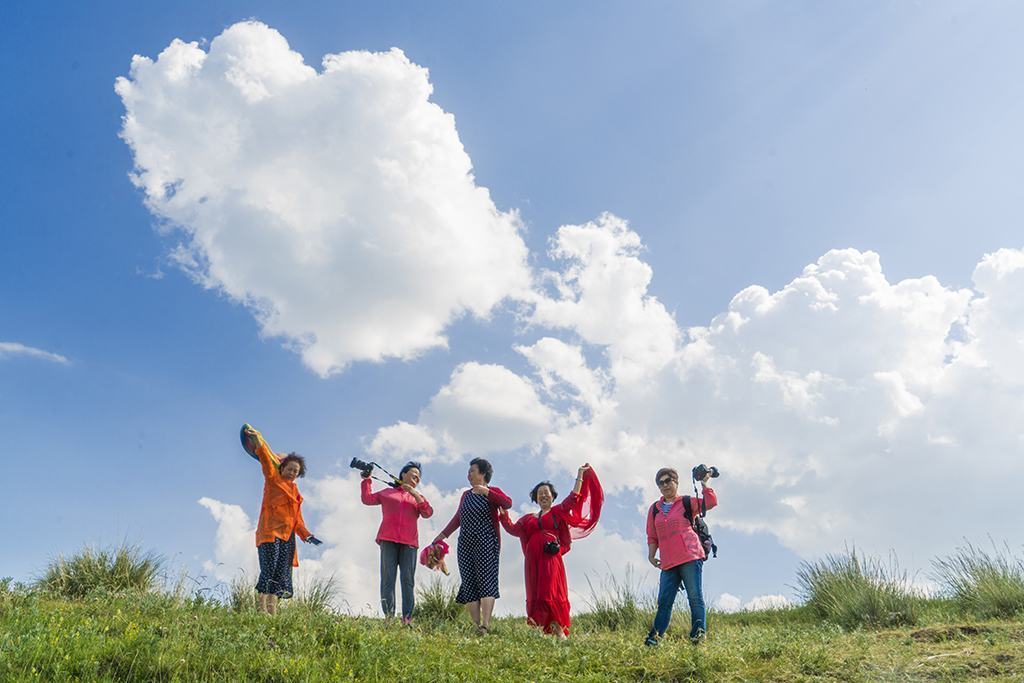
(742, 141)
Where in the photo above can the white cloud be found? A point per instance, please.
(12, 349)
(483, 408)
(765, 602)
(339, 206)
(235, 546)
(727, 602)
(564, 373)
(601, 294)
(403, 440)
(841, 408)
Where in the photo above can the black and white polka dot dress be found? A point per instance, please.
(478, 550)
(276, 567)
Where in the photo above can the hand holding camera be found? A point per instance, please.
(366, 471)
(702, 473)
(365, 468)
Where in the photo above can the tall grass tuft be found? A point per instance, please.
(435, 601)
(620, 605)
(125, 568)
(986, 584)
(241, 594)
(853, 591)
(315, 594)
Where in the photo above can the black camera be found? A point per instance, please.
(552, 547)
(700, 471)
(366, 467)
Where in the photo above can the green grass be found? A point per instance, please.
(435, 601)
(854, 591)
(845, 631)
(152, 637)
(125, 568)
(988, 584)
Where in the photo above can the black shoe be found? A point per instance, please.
(699, 637)
(651, 641)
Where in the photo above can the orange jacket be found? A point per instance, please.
(281, 511)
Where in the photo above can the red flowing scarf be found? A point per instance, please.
(583, 515)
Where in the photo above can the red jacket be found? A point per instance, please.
(496, 498)
(676, 540)
(401, 513)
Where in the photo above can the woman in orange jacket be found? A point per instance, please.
(280, 522)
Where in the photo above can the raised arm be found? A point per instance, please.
(365, 493)
(710, 498)
(568, 502)
(268, 459)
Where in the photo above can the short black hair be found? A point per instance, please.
(533, 491)
(408, 466)
(293, 457)
(483, 467)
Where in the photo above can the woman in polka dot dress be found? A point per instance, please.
(479, 542)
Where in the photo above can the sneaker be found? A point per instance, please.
(651, 641)
(699, 637)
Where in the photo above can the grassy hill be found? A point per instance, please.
(140, 633)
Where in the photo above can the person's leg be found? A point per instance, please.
(474, 611)
(407, 565)
(486, 607)
(692, 581)
(668, 586)
(271, 604)
(265, 553)
(388, 574)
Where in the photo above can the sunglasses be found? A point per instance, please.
(665, 482)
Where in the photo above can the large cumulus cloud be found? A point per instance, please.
(338, 205)
(842, 407)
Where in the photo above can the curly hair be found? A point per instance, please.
(293, 457)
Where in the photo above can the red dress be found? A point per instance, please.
(547, 594)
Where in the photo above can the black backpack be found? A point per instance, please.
(699, 526)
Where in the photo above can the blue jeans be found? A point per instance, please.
(689, 576)
(395, 556)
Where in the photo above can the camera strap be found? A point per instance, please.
(703, 505)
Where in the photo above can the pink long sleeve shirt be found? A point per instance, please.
(671, 532)
(401, 513)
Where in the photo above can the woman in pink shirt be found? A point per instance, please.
(402, 506)
(670, 535)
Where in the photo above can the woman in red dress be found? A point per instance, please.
(546, 536)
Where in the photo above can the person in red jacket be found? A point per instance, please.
(398, 536)
(671, 536)
(280, 522)
(546, 536)
(479, 542)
